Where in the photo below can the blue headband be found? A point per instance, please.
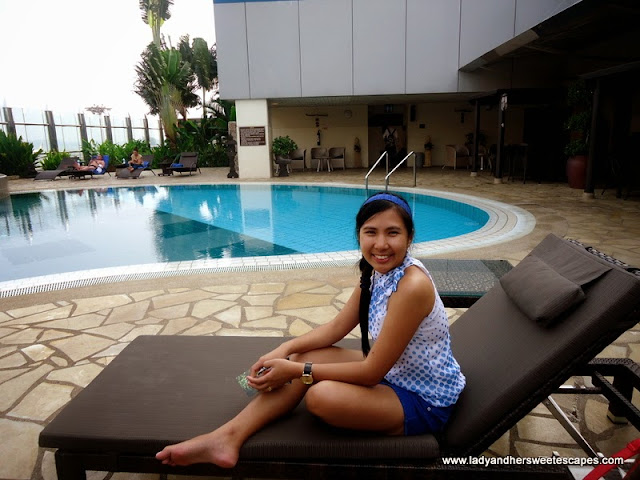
(392, 198)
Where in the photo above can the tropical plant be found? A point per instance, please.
(203, 136)
(224, 112)
(203, 61)
(283, 146)
(166, 83)
(117, 153)
(52, 159)
(16, 156)
(154, 14)
(579, 122)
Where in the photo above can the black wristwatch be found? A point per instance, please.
(307, 377)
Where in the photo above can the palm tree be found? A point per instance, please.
(154, 14)
(203, 62)
(165, 82)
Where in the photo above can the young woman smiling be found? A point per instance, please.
(405, 384)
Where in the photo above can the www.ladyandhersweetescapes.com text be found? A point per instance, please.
(555, 460)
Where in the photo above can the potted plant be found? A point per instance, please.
(578, 125)
(282, 148)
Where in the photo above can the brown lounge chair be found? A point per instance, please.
(542, 323)
(66, 165)
(188, 162)
(123, 172)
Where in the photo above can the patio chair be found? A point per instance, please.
(456, 153)
(125, 173)
(320, 155)
(337, 154)
(188, 162)
(299, 155)
(83, 173)
(66, 164)
(542, 323)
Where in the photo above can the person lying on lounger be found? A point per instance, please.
(136, 161)
(95, 165)
(405, 384)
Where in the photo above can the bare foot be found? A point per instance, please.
(209, 448)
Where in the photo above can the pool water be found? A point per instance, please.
(62, 231)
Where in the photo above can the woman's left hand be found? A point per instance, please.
(280, 371)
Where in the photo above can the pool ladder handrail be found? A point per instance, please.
(366, 177)
(386, 179)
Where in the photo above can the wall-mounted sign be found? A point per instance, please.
(252, 136)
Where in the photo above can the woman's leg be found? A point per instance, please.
(222, 446)
(356, 407)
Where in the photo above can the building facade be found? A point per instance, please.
(334, 72)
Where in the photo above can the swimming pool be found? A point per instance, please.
(232, 225)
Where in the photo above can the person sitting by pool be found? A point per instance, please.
(406, 384)
(95, 165)
(136, 161)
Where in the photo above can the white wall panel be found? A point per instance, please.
(484, 25)
(530, 13)
(274, 49)
(326, 47)
(379, 46)
(231, 42)
(433, 40)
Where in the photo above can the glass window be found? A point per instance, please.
(118, 121)
(66, 118)
(137, 122)
(96, 134)
(138, 134)
(69, 139)
(18, 115)
(154, 137)
(38, 136)
(119, 135)
(93, 120)
(33, 116)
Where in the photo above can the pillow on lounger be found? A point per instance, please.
(540, 292)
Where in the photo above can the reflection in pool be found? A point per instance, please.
(60, 231)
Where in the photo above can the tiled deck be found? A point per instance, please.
(53, 343)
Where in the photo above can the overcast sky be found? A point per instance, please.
(71, 54)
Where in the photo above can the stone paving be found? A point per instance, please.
(53, 344)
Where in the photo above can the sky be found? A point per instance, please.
(67, 55)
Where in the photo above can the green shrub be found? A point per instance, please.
(17, 157)
(118, 154)
(52, 159)
(283, 146)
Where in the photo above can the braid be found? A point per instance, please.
(365, 298)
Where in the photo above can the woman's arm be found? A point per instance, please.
(320, 337)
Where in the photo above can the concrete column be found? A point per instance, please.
(51, 130)
(253, 161)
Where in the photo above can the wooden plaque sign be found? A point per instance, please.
(252, 136)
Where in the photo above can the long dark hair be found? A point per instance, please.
(368, 210)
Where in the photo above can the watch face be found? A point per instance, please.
(307, 379)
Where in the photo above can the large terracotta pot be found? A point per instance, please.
(577, 171)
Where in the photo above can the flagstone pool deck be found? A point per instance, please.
(52, 344)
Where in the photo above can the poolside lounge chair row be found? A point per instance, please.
(188, 162)
(542, 323)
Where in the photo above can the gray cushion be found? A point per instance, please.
(539, 291)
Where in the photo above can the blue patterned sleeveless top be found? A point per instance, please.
(426, 366)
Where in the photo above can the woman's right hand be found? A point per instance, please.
(279, 352)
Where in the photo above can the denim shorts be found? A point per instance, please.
(419, 415)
